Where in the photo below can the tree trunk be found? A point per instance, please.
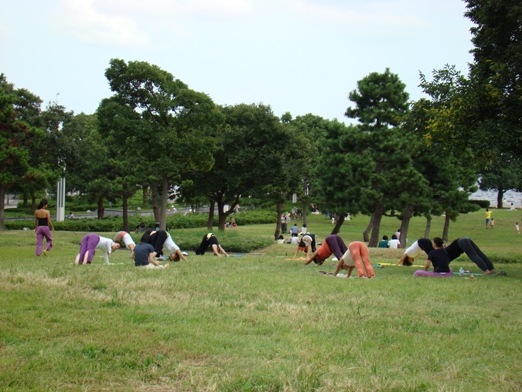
(101, 210)
(25, 200)
(446, 228)
(377, 216)
(428, 227)
(279, 213)
(164, 199)
(366, 232)
(125, 202)
(222, 217)
(500, 198)
(304, 212)
(2, 206)
(210, 221)
(145, 189)
(406, 217)
(155, 197)
(338, 223)
(33, 201)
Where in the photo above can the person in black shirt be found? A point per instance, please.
(439, 259)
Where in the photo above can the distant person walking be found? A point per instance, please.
(517, 228)
(43, 226)
(488, 217)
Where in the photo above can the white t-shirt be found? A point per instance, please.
(105, 245)
(128, 241)
(393, 244)
(413, 250)
(169, 245)
(348, 259)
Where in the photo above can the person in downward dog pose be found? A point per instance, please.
(123, 236)
(91, 242)
(467, 246)
(357, 256)
(162, 242)
(422, 244)
(211, 240)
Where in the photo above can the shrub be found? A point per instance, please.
(481, 203)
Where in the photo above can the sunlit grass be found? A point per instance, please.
(258, 322)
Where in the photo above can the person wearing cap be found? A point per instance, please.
(211, 240)
(123, 236)
(357, 256)
(305, 245)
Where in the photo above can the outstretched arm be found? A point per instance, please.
(311, 258)
(401, 260)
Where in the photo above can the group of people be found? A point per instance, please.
(394, 243)
(158, 244)
(441, 256)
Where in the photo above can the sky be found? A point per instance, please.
(298, 56)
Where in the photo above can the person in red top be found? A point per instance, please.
(332, 244)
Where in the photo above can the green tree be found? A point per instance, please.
(380, 153)
(15, 142)
(177, 124)
(503, 176)
(248, 159)
(494, 105)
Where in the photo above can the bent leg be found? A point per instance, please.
(48, 238)
(471, 251)
(365, 255)
(336, 245)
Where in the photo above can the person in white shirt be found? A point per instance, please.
(163, 243)
(123, 236)
(91, 242)
(394, 243)
(422, 244)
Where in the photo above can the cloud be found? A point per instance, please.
(85, 20)
(367, 16)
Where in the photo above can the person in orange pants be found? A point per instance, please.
(356, 256)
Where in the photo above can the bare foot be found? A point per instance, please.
(45, 253)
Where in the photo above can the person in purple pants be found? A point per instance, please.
(91, 242)
(43, 226)
(332, 244)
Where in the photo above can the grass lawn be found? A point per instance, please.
(260, 322)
